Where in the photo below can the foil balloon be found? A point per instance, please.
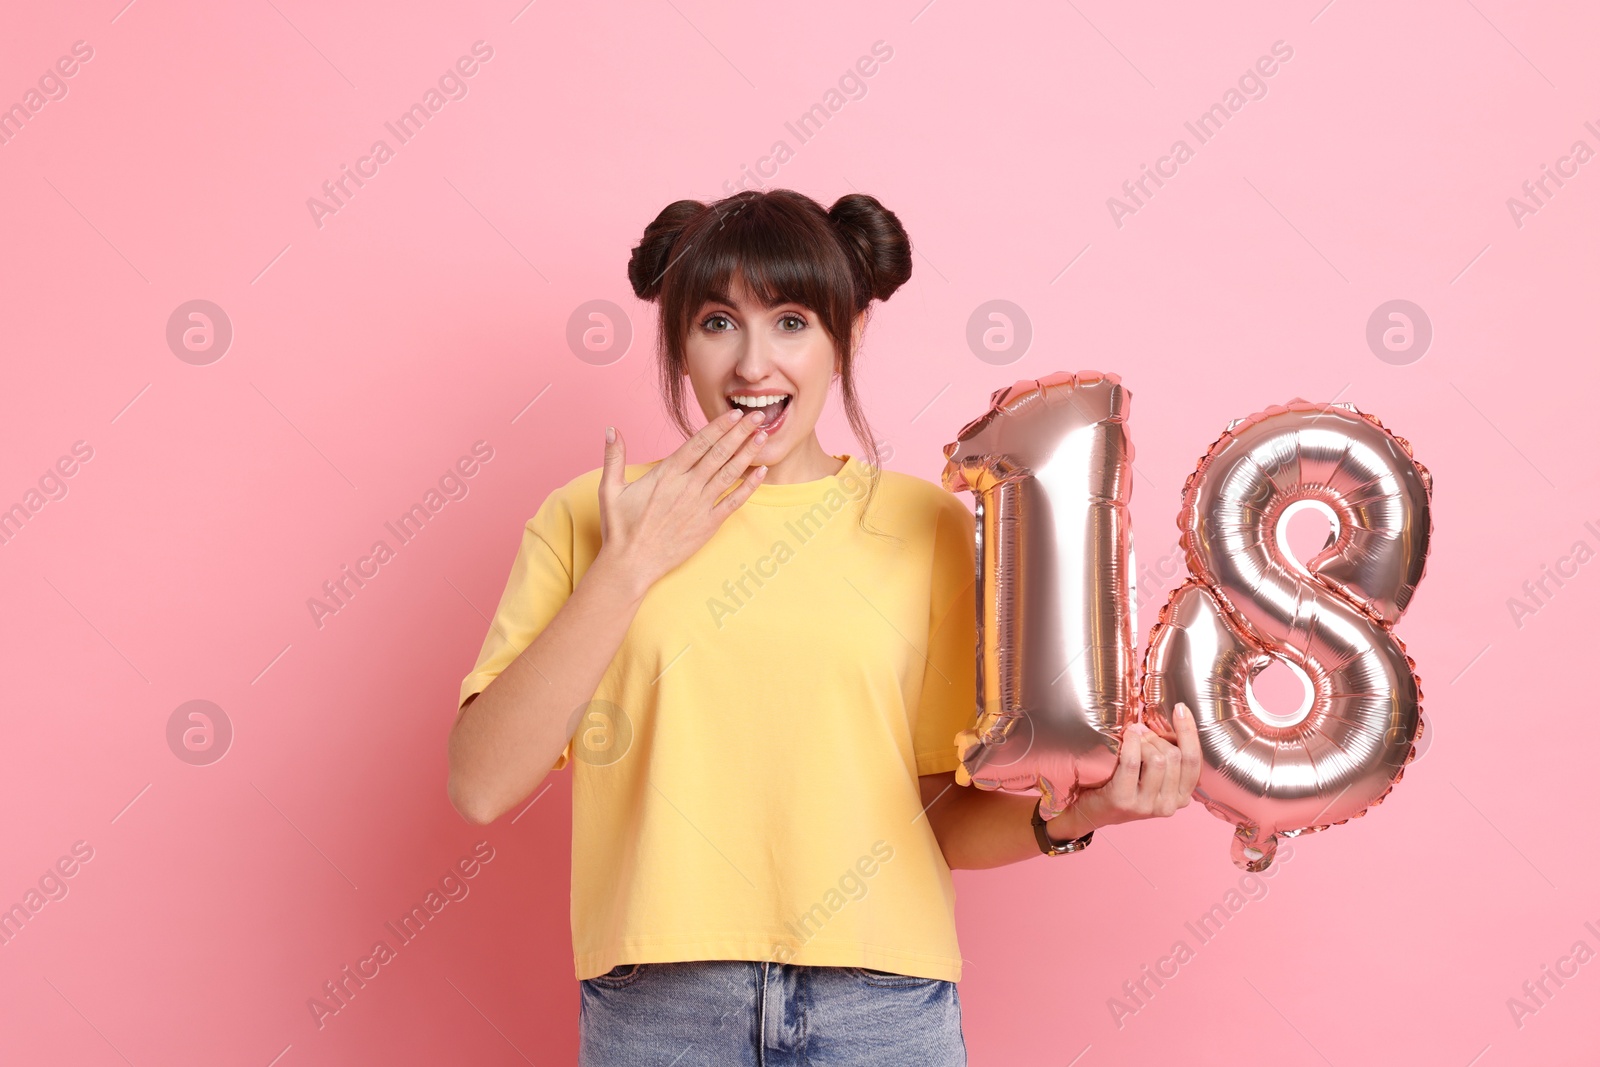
(1250, 602)
(1050, 464)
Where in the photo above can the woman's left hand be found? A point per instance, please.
(1153, 779)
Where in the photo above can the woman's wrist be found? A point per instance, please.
(1071, 824)
(622, 572)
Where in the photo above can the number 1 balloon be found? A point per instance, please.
(1050, 465)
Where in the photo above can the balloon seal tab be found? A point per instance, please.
(1253, 851)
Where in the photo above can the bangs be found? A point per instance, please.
(781, 255)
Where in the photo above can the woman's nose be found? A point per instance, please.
(755, 358)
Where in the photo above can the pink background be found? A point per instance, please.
(432, 309)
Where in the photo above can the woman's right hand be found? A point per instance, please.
(654, 523)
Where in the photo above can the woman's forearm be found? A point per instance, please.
(980, 828)
(506, 738)
(986, 828)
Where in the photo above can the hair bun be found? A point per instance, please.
(649, 260)
(879, 247)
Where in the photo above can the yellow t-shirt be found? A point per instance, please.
(745, 783)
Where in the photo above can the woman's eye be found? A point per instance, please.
(799, 323)
(714, 320)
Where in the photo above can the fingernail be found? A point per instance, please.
(1183, 711)
(758, 416)
(611, 435)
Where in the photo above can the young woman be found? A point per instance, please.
(761, 687)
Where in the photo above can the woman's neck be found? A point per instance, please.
(806, 462)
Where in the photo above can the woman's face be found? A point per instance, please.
(738, 350)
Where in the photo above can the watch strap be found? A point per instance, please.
(1056, 848)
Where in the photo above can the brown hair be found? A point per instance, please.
(787, 249)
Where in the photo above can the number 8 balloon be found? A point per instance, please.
(1050, 464)
(1250, 601)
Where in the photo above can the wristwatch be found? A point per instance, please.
(1056, 848)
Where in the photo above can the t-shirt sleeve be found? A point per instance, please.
(949, 684)
(539, 584)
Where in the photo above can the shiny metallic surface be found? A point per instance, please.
(1050, 464)
(1250, 601)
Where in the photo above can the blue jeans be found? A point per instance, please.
(741, 1013)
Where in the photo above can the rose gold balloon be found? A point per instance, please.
(1250, 602)
(1050, 463)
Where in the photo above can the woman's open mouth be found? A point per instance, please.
(774, 407)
